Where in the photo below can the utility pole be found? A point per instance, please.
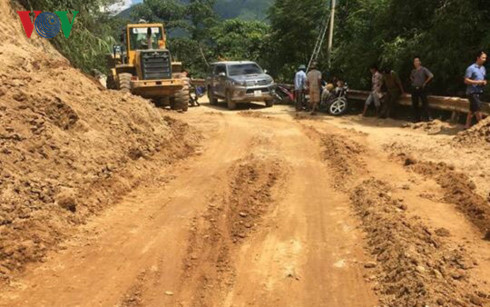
(330, 35)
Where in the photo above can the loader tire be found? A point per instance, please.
(173, 104)
(125, 82)
(111, 83)
(182, 97)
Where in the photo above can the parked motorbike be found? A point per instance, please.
(195, 93)
(283, 95)
(335, 102)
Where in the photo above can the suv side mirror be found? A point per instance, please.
(222, 74)
(265, 71)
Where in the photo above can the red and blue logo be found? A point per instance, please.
(47, 24)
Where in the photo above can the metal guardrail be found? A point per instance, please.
(454, 104)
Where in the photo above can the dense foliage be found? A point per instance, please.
(236, 39)
(230, 9)
(92, 35)
(446, 34)
(243, 9)
(199, 36)
(295, 26)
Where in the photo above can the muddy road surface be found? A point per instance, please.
(280, 209)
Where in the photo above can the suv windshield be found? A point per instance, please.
(244, 69)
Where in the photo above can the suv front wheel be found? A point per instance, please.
(211, 97)
(229, 101)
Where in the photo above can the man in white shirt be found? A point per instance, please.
(300, 87)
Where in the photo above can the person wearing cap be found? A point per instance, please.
(314, 83)
(300, 87)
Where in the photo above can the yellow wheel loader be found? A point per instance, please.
(142, 65)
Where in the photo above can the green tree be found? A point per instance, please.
(170, 12)
(295, 26)
(237, 39)
(446, 34)
(206, 37)
(91, 37)
(243, 9)
(202, 17)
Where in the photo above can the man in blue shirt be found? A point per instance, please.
(475, 79)
(300, 87)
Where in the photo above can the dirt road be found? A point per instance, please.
(276, 210)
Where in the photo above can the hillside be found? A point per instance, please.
(68, 147)
(228, 9)
(244, 9)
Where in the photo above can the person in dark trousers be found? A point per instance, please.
(394, 90)
(300, 87)
(475, 79)
(420, 78)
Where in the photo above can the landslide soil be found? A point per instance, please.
(68, 147)
(275, 210)
(108, 201)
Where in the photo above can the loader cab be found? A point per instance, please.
(146, 56)
(143, 37)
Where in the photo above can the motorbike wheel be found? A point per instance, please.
(338, 107)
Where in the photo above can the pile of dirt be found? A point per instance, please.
(431, 128)
(478, 135)
(343, 155)
(229, 220)
(250, 196)
(458, 190)
(68, 148)
(413, 266)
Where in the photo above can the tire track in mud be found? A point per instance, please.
(458, 190)
(230, 219)
(141, 289)
(412, 267)
(342, 154)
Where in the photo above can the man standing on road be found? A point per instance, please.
(300, 87)
(395, 90)
(475, 79)
(420, 78)
(314, 83)
(376, 94)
